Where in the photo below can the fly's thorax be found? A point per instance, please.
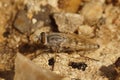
(55, 39)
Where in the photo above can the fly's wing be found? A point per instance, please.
(78, 43)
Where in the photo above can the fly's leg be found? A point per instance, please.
(55, 50)
(85, 57)
(88, 58)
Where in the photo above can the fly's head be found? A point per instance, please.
(43, 38)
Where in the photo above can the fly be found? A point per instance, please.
(63, 42)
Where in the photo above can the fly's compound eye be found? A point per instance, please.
(43, 38)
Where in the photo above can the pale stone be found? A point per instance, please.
(53, 3)
(68, 22)
(111, 14)
(92, 11)
(27, 70)
(86, 30)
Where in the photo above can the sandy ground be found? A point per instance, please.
(97, 21)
